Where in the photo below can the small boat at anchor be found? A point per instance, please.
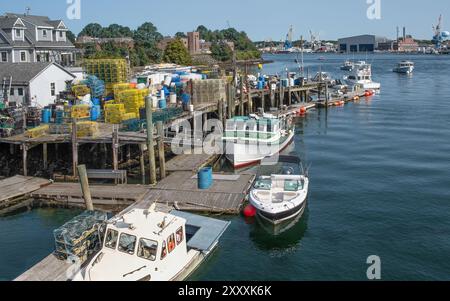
(361, 75)
(404, 67)
(281, 197)
(146, 245)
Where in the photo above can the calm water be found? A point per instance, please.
(380, 185)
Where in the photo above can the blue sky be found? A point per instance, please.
(261, 19)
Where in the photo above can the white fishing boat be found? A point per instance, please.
(348, 66)
(280, 197)
(362, 76)
(248, 140)
(404, 67)
(146, 245)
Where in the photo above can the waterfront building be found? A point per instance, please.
(362, 43)
(28, 39)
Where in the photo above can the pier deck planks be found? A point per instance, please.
(107, 194)
(180, 190)
(19, 186)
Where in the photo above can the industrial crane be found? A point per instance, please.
(439, 35)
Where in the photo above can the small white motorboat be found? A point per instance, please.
(362, 76)
(348, 66)
(280, 197)
(405, 67)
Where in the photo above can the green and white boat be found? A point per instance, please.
(248, 140)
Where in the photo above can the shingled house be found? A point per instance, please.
(28, 39)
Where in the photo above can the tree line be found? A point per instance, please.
(146, 38)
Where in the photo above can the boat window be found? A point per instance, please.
(171, 243)
(163, 250)
(127, 243)
(147, 249)
(352, 77)
(111, 239)
(263, 184)
(180, 235)
(292, 185)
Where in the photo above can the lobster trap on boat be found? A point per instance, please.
(81, 236)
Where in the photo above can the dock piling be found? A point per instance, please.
(161, 153)
(84, 182)
(150, 142)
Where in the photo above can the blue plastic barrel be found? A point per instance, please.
(205, 178)
(59, 117)
(185, 98)
(162, 104)
(95, 113)
(260, 85)
(96, 101)
(46, 114)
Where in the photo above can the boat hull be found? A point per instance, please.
(243, 155)
(278, 218)
(404, 70)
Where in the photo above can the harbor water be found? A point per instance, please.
(379, 185)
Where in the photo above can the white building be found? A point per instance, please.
(33, 84)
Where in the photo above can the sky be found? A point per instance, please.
(261, 19)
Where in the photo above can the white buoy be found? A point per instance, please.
(173, 98)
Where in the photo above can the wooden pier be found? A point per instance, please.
(15, 192)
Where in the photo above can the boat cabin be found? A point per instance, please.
(253, 129)
(140, 246)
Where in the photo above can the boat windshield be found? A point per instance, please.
(111, 239)
(127, 243)
(292, 185)
(263, 184)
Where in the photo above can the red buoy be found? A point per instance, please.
(249, 211)
(367, 94)
(302, 111)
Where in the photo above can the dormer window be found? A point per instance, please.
(44, 33)
(61, 34)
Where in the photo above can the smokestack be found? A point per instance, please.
(404, 34)
(398, 33)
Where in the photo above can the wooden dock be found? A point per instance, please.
(102, 195)
(15, 191)
(180, 190)
(190, 162)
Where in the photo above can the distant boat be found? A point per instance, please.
(348, 66)
(322, 58)
(362, 76)
(404, 67)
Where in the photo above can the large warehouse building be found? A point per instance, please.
(363, 43)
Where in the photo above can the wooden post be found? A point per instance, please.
(161, 153)
(241, 101)
(74, 147)
(263, 102)
(219, 110)
(289, 96)
(115, 147)
(142, 162)
(150, 142)
(25, 159)
(44, 156)
(82, 173)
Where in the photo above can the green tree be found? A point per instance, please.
(147, 34)
(180, 35)
(71, 37)
(221, 51)
(116, 31)
(177, 53)
(92, 30)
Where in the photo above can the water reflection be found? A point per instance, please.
(280, 238)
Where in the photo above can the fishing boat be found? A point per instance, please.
(348, 66)
(147, 245)
(362, 76)
(404, 67)
(248, 140)
(280, 197)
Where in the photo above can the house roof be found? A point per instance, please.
(31, 22)
(25, 72)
